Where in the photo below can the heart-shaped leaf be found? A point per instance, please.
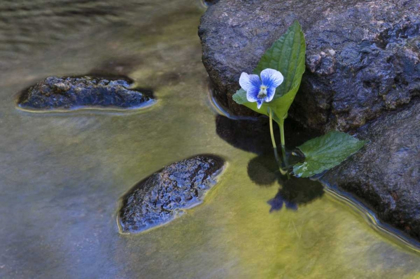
(326, 152)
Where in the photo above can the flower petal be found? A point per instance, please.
(259, 103)
(251, 84)
(271, 91)
(248, 82)
(252, 93)
(271, 78)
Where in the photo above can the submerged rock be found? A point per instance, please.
(167, 193)
(69, 93)
(386, 175)
(363, 57)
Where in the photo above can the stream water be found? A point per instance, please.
(62, 174)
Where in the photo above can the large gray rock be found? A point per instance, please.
(166, 194)
(363, 57)
(385, 175)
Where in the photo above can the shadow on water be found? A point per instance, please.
(295, 192)
(253, 135)
(263, 171)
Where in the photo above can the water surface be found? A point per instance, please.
(62, 175)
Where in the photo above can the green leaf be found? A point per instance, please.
(240, 97)
(286, 55)
(326, 152)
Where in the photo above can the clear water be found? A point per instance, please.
(62, 175)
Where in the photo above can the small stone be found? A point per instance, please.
(166, 194)
(70, 93)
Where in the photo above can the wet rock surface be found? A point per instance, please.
(362, 56)
(69, 93)
(386, 174)
(167, 193)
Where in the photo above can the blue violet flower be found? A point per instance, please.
(261, 90)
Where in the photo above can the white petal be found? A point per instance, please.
(271, 91)
(247, 82)
(271, 78)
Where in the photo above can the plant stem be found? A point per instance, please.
(283, 143)
(273, 142)
(283, 148)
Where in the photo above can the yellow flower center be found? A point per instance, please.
(263, 92)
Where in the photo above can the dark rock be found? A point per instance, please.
(69, 93)
(386, 174)
(363, 57)
(167, 193)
